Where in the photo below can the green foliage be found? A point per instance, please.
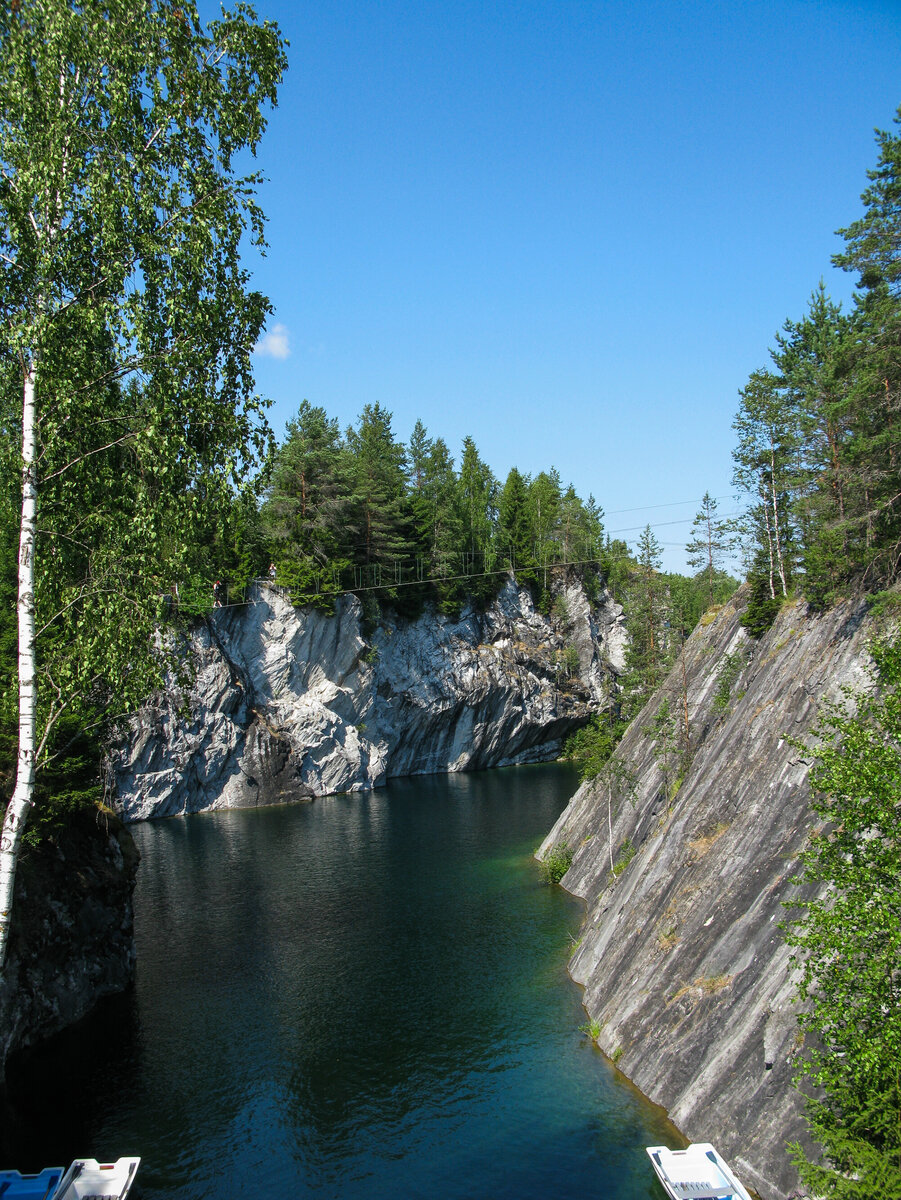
(688, 598)
(570, 660)
(818, 438)
(710, 541)
(848, 942)
(515, 529)
(731, 667)
(592, 1029)
(763, 607)
(361, 512)
(556, 863)
(626, 854)
(885, 603)
(591, 747)
(126, 307)
(646, 620)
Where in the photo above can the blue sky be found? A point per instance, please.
(569, 229)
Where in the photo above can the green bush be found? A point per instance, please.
(730, 669)
(556, 863)
(626, 854)
(591, 746)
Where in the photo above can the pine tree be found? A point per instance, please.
(766, 458)
(709, 544)
(873, 251)
(813, 358)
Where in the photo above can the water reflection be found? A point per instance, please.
(361, 997)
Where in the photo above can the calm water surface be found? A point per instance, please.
(361, 997)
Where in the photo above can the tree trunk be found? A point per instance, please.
(23, 794)
(776, 520)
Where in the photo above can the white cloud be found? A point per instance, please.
(275, 343)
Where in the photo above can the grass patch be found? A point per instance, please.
(701, 845)
(556, 863)
(705, 986)
(668, 940)
(711, 615)
(625, 856)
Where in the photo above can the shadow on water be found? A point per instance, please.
(55, 1091)
(361, 997)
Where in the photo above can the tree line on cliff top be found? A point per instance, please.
(818, 450)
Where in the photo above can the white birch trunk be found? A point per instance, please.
(23, 794)
(769, 543)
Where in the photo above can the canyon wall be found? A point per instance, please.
(72, 934)
(285, 703)
(685, 873)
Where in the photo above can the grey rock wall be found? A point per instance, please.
(288, 703)
(682, 960)
(72, 934)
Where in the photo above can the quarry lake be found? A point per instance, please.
(361, 997)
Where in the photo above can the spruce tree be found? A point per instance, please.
(381, 520)
(516, 530)
(308, 504)
(710, 542)
(646, 620)
(478, 499)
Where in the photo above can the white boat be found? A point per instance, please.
(697, 1173)
(86, 1179)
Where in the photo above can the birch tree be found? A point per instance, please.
(128, 325)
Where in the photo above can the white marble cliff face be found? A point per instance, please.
(290, 703)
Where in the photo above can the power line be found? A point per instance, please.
(616, 512)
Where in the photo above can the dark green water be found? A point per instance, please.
(361, 997)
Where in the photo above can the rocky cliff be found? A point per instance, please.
(685, 970)
(286, 703)
(72, 936)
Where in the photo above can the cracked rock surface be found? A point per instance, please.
(683, 963)
(290, 703)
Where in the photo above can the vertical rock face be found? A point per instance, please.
(72, 936)
(287, 702)
(684, 966)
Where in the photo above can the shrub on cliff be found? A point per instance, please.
(591, 746)
(556, 863)
(848, 942)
